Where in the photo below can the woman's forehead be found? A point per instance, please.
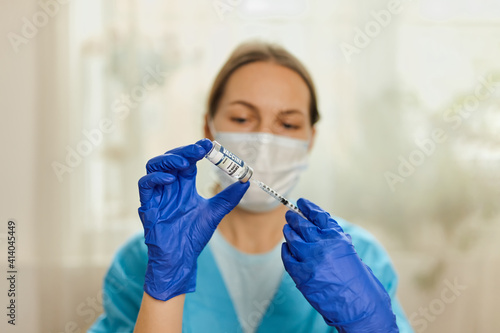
(267, 85)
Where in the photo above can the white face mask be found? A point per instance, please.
(277, 161)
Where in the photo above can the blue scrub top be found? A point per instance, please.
(210, 309)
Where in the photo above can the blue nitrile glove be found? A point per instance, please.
(322, 261)
(177, 221)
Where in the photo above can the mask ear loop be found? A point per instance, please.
(310, 140)
(211, 127)
(215, 187)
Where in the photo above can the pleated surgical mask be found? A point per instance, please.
(276, 160)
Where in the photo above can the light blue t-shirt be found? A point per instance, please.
(210, 309)
(251, 279)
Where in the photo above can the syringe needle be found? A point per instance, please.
(278, 197)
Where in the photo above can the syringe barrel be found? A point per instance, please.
(229, 162)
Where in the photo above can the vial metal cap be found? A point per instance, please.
(246, 177)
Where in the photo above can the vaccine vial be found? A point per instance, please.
(229, 163)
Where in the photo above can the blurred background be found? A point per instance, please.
(408, 146)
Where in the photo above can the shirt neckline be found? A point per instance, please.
(219, 241)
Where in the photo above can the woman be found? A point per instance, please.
(263, 108)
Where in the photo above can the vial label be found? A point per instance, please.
(232, 156)
(230, 163)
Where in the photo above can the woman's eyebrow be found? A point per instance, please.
(244, 103)
(291, 112)
(284, 112)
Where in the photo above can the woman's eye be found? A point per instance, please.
(239, 120)
(290, 126)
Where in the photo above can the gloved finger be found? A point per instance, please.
(299, 272)
(193, 152)
(178, 159)
(318, 216)
(206, 144)
(304, 228)
(148, 182)
(227, 199)
(314, 213)
(167, 162)
(299, 248)
(289, 261)
(203, 146)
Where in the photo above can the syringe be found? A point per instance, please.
(237, 168)
(278, 197)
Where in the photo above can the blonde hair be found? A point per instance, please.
(255, 51)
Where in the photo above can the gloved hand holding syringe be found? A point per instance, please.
(237, 168)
